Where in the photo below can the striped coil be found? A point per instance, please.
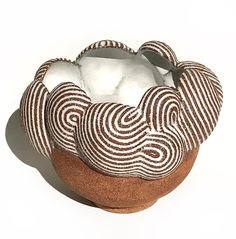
(148, 141)
(160, 48)
(105, 44)
(66, 104)
(126, 142)
(200, 93)
(32, 109)
(41, 72)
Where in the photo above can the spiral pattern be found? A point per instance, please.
(121, 140)
(148, 141)
(66, 105)
(163, 151)
(200, 92)
(110, 136)
(161, 105)
(32, 111)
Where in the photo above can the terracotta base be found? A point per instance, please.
(126, 209)
(117, 194)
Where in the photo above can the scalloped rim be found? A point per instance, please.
(199, 91)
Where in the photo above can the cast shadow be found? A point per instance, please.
(20, 146)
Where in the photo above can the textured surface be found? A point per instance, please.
(116, 192)
(33, 117)
(66, 104)
(200, 91)
(203, 206)
(129, 141)
(202, 99)
(105, 44)
(148, 141)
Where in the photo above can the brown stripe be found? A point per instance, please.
(188, 107)
(199, 109)
(106, 45)
(41, 72)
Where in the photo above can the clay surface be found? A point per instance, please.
(117, 194)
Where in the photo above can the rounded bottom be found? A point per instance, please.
(126, 209)
(117, 194)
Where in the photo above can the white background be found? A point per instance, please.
(31, 32)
